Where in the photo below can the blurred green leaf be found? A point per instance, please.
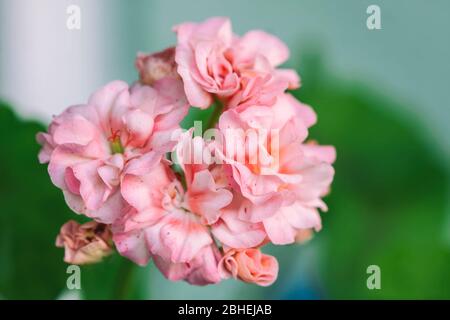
(110, 279)
(387, 203)
(32, 211)
(197, 114)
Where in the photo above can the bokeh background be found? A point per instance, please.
(382, 98)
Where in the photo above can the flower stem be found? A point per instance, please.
(116, 146)
(215, 115)
(124, 280)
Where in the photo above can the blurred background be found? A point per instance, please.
(382, 98)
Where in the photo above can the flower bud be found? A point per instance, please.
(156, 66)
(86, 243)
(249, 265)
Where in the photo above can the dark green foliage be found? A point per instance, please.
(388, 200)
(31, 213)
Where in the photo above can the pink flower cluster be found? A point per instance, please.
(206, 221)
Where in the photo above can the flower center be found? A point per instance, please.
(115, 144)
(174, 197)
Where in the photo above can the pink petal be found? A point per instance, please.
(321, 153)
(72, 183)
(136, 192)
(205, 267)
(258, 42)
(104, 98)
(144, 191)
(236, 233)
(177, 237)
(205, 198)
(93, 189)
(46, 141)
(110, 211)
(140, 127)
(133, 246)
(283, 227)
(290, 76)
(305, 112)
(144, 164)
(62, 158)
(196, 96)
(215, 28)
(172, 271)
(75, 130)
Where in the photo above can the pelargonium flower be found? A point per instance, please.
(86, 243)
(120, 131)
(282, 187)
(238, 70)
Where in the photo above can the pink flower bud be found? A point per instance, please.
(249, 265)
(156, 66)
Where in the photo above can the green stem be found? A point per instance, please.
(215, 115)
(124, 280)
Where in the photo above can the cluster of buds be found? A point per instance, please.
(201, 206)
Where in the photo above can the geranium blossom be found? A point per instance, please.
(206, 213)
(283, 186)
(120, 131)
(241, 70)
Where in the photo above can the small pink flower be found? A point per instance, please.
(86, 243)
(211, 195)
(213, 61)
(283, 187)
(156, 66)
(249, 265)
(207, 187)
(206, 197)
(120, 131)
(161, 223)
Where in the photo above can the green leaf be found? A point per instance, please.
(32, 211)
(111, 278)
(388, 199)
(197, 114)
